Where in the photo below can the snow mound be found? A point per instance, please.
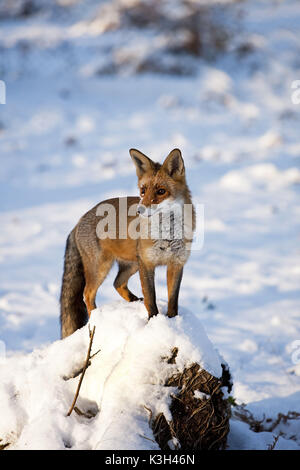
(125, 380)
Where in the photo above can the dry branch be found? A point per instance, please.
(88, 357)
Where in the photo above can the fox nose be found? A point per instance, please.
(141, 210)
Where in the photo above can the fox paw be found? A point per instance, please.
(172, 314)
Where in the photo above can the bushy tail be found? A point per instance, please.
(73, 313)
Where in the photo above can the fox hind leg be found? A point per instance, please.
(95, 273)
(126, 270)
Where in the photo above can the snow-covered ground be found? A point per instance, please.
(123, 383)
(65, 133)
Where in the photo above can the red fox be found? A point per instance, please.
(91, 250)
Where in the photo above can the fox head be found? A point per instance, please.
(160, 185)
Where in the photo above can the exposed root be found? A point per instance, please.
(197, 423)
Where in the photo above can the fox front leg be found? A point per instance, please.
(174, 276)
(148, 288)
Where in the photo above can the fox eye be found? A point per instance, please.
(143, 190)
(160, 191)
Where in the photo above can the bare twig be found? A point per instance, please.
(93, 355)
(83, 370)
(272, 446)
(87, 414)
(148, 438)
(78, 372)
(3, 446)
(150, 413)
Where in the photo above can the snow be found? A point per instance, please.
(65, 132)
(243, 439)
(125, 379)
(201, 395)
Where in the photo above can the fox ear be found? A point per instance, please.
(174, 164)
(142, 163)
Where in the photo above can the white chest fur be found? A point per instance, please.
(166, 251)
(165, 228)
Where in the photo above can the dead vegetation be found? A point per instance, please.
(3, 445)
(200, 411)
(141, 36)
(279, 425)
(175, 34)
